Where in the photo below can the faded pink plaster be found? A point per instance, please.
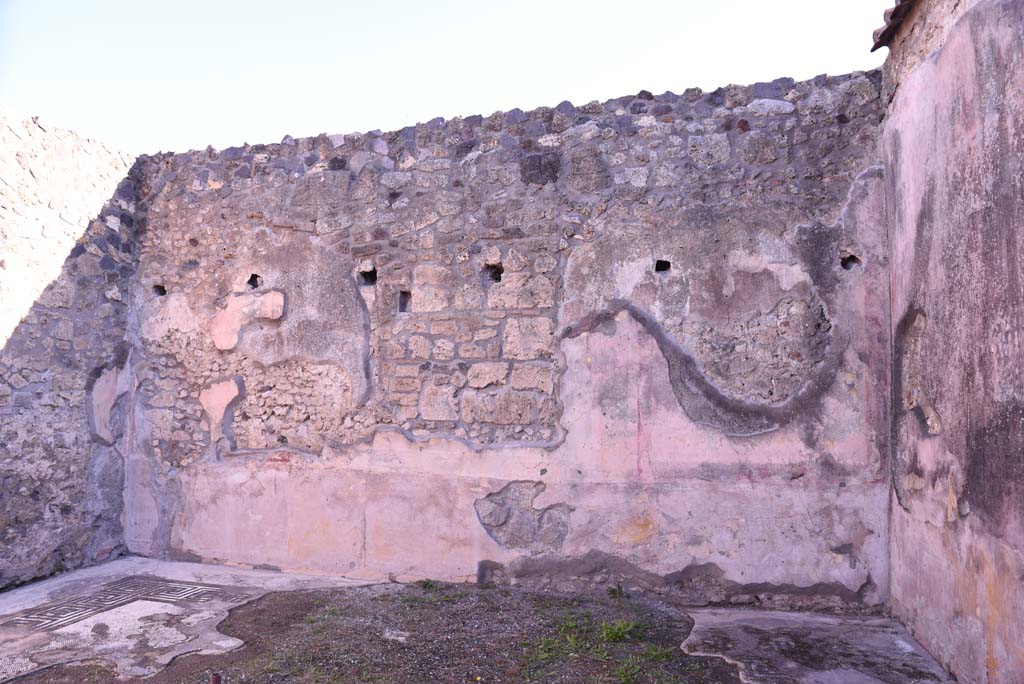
(215, 400)
(406, 507)
(953, 149)
(240, 310)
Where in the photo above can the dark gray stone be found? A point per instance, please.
(515, 116)
(540, 168)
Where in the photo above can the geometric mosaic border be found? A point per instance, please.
(119, 593)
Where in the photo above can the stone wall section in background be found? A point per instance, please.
(68, 221)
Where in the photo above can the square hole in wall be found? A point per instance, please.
(404, 301)
(492, 273)
(662, 266)
(367, 278)
(849, 260)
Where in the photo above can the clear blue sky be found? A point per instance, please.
(149, 75)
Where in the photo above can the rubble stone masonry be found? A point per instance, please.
(753, 346)
(645, 339)
(67, 220)
(561, 332)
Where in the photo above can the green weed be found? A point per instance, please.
(620, 630)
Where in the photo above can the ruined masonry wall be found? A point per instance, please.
(66, 220)
(474, 224)
(526, 338)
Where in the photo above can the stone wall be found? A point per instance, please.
(717, 345)
(954, 155)
(65, 260)
(646, 338)
(923, 31)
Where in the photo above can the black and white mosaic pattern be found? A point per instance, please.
(119, 593)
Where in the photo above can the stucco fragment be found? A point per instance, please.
(511, 519)
(240, 310)
(112, 383)
(216, 399)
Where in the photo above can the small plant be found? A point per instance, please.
(629, 671)
(617, 591)
(266, 664)
(571, 624)
(427, 585)
(620, 630)
(657, 653)
(548, 649)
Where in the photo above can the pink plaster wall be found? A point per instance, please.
(644, 483)
(954, 153)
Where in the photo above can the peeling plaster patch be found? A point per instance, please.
(242, 309)
(111, 384)
(216, 400)
(510, 518)
(787, 276)
(170, 312)
(629, 274)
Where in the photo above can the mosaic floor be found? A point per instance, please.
(135, 612)
(140, 614)
(51, 616)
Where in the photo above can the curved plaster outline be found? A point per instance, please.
(701, 400)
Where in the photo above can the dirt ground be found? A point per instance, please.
(430, 633)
